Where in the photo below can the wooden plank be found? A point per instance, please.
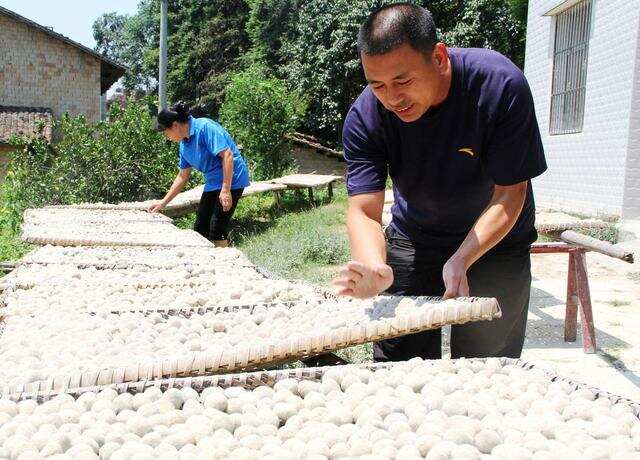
(306, 180)
(594, 244)
(263, 186)
(551, 248)
(584, 296)
(571, 307)
(310, 141)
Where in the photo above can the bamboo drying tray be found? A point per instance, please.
(24, 277)
(182, 238)
(50, 214)
(139, 256)
(250, 380)
(237, 358)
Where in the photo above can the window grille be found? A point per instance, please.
(570, 57)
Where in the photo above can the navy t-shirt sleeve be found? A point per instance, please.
(366, 160)
(514, 151)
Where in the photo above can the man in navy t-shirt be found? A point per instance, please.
(456, 131)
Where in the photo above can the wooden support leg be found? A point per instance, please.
(277, 196)
(311, 195)
(330, 191)
(571, 311)
(584, 294)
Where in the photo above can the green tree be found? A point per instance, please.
(132, 41)
(321, 59)
(259, 112)
(270, 24)
(205, 40)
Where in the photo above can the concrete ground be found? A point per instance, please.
(615, 295)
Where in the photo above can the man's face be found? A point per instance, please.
(406, 81)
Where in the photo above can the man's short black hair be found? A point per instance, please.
(393, 25)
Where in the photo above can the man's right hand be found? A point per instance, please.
(156, 207)
(363, 280)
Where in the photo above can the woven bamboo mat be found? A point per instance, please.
(215, 295)
(433, 313)
(251, 380)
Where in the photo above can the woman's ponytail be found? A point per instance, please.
(181, 110)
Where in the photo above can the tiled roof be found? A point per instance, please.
(20, 121)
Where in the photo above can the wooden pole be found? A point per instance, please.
(584, 295)
(162, 70)
(571, 308)
(594, 244)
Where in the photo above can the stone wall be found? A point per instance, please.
(37, 70)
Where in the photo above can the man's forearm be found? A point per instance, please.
(366, 238)
(494, 223)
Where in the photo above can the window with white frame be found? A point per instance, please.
(570, 57)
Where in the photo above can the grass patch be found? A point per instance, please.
(11, 247)
(296, 240)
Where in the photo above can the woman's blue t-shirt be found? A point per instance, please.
(207, 139)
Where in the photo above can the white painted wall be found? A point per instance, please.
(587, 170)
(631, 202)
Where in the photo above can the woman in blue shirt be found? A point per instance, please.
(208, 147)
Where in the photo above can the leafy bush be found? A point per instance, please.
(259, 112)
(123, 159)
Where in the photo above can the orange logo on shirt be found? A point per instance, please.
(467, 150)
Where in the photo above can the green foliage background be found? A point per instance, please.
(310, 44)
(123, 159)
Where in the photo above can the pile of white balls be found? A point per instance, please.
(112, 235)
(27, 276)
(97, 229)
(135, 256)
(59, 342)
(216, 291)
(417, 409)
(59, 215)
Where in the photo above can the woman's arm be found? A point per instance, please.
(226, 156)
(178, 184)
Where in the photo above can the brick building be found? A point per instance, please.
(583, 66)
(44, 74)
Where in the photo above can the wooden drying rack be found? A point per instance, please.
(576, 245)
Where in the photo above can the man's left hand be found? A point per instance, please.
(454, 274)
